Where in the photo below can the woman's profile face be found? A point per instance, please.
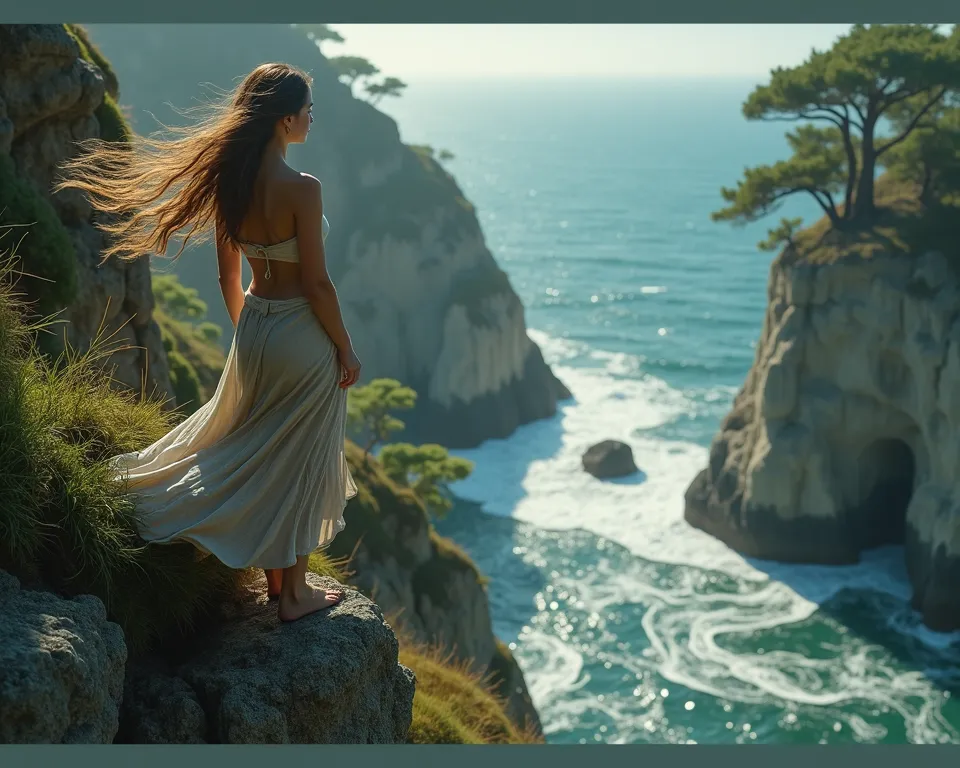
(303, 119)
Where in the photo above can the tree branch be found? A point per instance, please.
(912, 124)
(860, 114)
(829, 207)
(834, 118)
(818, 194)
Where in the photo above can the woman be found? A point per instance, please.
(257, 476)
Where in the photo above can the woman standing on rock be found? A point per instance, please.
(257, 476)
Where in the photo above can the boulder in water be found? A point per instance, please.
(608, 459)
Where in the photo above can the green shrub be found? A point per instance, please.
(192, 344)
(369, 410)
(209, 332)
(428, 469)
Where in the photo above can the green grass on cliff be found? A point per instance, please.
(455, 706)
(902, 226)
(90, 53)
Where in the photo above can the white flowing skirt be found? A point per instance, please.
(257, 476)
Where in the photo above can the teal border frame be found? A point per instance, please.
(487, 11)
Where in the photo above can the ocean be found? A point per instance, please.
(630, 626)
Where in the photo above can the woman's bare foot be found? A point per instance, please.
(297, 605)
(274, 582)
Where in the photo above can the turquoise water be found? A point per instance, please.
(629, 625)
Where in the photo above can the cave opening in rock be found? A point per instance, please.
(886, 473)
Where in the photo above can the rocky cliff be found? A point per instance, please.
(422, 294)
(52, 95)
(845, 434)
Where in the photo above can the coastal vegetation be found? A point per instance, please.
(426, 469)
(876, 143)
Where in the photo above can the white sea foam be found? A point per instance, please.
(535, 476)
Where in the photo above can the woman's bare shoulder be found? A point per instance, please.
(307, 182)
(302, 189)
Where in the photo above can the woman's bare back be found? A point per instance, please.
(269, 221)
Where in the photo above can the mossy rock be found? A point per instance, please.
(448, 560)
(90, 53)
(42, 244)
(114, 125)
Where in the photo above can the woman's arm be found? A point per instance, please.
(317, 286)
(229, 268)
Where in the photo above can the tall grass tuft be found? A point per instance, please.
(452, 704)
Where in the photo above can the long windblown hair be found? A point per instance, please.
(151, 189)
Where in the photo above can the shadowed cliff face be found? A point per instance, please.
(50, 98)
(845, 434)
(422, 295)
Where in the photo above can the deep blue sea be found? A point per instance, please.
(630, 626)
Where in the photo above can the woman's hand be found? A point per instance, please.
(350, 367)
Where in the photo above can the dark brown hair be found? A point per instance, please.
(202, 177)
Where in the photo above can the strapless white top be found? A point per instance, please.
(284, 251)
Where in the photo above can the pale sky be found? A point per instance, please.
(637, 50)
